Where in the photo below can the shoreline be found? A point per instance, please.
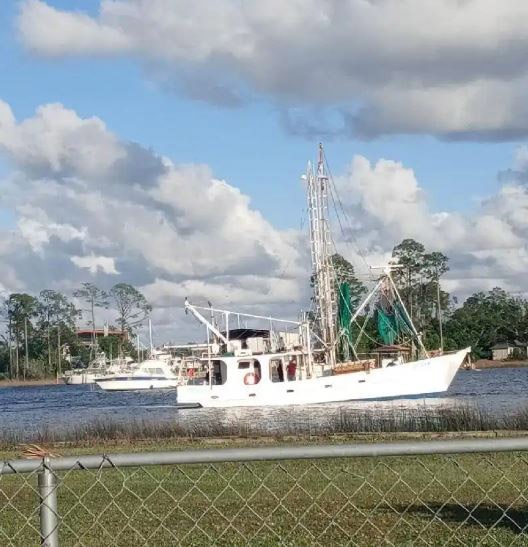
(462, 419)
(103, 445)
(480, 364)
(29, 383)
(489, 363)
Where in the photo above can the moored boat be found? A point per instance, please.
(150, 374)
(98, 368)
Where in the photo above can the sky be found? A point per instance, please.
(161, 143)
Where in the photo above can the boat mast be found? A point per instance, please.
(321, 245)
(150, 338)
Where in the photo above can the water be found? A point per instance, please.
(27, 410)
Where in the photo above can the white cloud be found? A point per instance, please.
(57, 142)
(176, 230)
(105, 264)
(134, 217)
(394, 66)
(38, 234)
(53, 32)
(487, 247)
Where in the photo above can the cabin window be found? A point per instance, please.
(257, 370)
(276, 370)
(243, 364)
(154, 371)
(218, 373)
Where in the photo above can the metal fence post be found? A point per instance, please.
(49, 522)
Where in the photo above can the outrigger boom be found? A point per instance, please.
(303, 326)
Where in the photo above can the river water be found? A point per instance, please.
(25, 411)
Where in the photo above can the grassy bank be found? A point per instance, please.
(468, 499)
(488, 363)
(32, 382)
(457, 419)
(462, 499)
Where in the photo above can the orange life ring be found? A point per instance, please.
(190, 373)
(249, 379)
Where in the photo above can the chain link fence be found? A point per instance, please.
(463, 492)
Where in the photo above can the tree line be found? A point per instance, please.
(483, 320)
(40, 331)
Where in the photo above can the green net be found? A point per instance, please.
(392, 325)
(344, 322)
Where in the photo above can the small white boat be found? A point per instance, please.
(78, 377)
(150, 374)
(99, 368)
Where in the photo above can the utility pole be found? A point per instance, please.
(10, 350)
(150, 337)
(439, 311)
(94, 336)
(49, 345)
(16, 355)
(409, 292)
(59, 371)
(26, 364)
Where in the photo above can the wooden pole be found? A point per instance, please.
(59, 364)
(439, 312)
(16, 355)
(26, 364)
(10, 350)
(49, 348)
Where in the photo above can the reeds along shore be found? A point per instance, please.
(456, 419)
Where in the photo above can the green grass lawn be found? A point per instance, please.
(434, 500)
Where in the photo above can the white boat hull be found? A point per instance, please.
(133, 384)
(79, 379)
(424, 377)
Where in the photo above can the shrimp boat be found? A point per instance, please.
(317, 358)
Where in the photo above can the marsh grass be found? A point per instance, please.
(462, 418)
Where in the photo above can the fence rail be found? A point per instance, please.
(445, 492)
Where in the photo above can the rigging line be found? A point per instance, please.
(367, 335)
(362, 330)
(333, 185)
(332, 191)
(348, 237)
(358, 275)
(286, 267)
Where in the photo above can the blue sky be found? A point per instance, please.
(248, 146)
(78, 203)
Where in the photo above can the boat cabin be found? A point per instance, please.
(256, 369)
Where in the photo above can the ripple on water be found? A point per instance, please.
(60, 407)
